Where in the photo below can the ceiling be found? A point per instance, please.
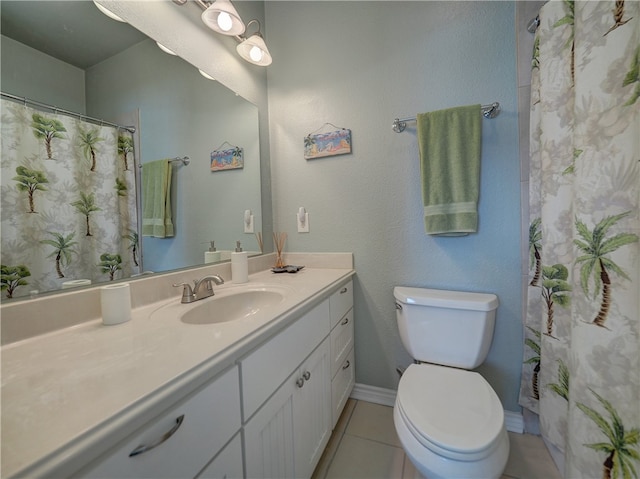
(74, 31)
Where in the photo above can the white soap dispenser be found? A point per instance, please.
(212, 256)
(239, 265)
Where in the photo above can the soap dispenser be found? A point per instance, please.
(239, 265)
(212, 256)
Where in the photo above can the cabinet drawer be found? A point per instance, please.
(264, 370)
(341, 342)
(341, 302)
(341, 386)
(205, 428)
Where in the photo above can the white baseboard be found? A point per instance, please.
(387, 397)
(374, 394)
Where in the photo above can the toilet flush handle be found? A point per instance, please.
(399, 306)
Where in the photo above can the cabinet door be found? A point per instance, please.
(268, 436)
(288, 434)
(312, 411)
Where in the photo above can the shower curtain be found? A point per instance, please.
(68, 202)
(581, 370)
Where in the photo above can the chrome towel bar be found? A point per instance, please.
(488, 111)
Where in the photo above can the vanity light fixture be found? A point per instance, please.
(254, 49)
(222, 17)
(108, 12)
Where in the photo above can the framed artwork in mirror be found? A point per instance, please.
(230, 159)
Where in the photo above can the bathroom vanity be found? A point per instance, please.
(257, 396)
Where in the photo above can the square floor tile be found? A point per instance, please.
(334, 441)
(529, 458)
(375, 422)
(359, 458)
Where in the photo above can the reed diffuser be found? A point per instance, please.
(259, 239)
(279, 239)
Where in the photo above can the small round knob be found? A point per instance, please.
(300, 382)
(306, 375)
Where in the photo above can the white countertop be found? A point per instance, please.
(66, 392)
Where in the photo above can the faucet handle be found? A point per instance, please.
(209, 286)
(187, 292)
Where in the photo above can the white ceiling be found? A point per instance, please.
(73, 31)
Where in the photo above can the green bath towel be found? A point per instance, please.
(450, 144)
(156, 199)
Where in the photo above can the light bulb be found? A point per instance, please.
(206, 75)
(165, 49)
(255, 53)
(224, 21)
(108, 12)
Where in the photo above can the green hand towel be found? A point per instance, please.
(156, 199)
(450, 143)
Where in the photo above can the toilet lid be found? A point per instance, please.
(452, 409)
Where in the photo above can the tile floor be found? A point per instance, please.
(364, 445)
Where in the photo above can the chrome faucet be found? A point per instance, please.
(189, 295)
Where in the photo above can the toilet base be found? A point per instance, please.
(434, 466)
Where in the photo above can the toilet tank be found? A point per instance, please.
(451, 328)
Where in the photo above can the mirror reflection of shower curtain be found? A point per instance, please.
(68, 210)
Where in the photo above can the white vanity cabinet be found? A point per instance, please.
(342, 352)
(288, 433)
(181, 442)
(291, 404)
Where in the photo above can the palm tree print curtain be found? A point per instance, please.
(581, 370)
(68, 201)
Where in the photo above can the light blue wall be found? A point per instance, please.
(359, 65)
(26, 72)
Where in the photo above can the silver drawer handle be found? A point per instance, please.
(344, 290)
(142, 448)
(345, 322)
(346, 366)
(306, 375)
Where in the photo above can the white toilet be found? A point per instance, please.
(449, 420)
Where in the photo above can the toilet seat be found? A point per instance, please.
(453, 412)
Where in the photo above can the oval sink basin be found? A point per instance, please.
(231, 307)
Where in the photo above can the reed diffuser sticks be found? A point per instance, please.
(279, 239)
(259, 239)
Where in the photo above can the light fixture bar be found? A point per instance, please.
(222, 17)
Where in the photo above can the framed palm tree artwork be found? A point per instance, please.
(327, 144)
(230, 159)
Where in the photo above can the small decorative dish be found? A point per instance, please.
(287, 269)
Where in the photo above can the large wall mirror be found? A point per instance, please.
(68, 54)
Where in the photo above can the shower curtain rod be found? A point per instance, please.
(488, 111)
(130, 129)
